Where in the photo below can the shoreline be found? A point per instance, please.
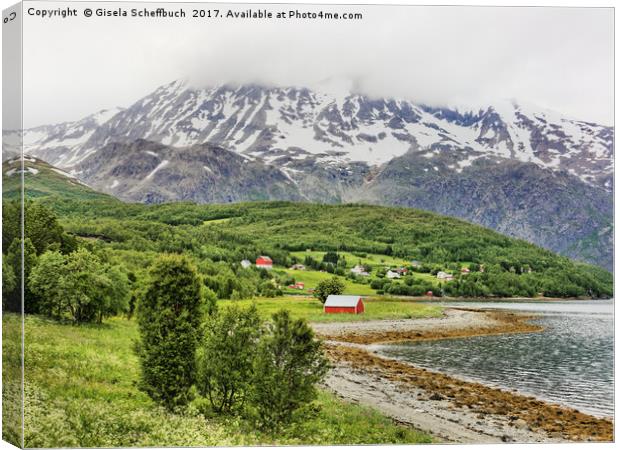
(446, 407)
(455, 322)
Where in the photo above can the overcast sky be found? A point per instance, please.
(558, 58)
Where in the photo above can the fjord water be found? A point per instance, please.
(570, 362)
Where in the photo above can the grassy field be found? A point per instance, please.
(216, 221)
(352, 260)
(80, 391)
(311, 278)
(11, 380)
(312, 310)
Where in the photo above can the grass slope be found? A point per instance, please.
(43, 180)
(311, 278)
(80, 391)
(352, 260)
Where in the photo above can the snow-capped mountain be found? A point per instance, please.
(501, 166)
(293, 123)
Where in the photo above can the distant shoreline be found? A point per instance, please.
(493, 299)
(451, 409)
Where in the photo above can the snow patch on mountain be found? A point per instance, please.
(160, 166)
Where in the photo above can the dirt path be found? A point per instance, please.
(450, 409)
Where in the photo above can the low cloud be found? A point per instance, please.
(558, 58)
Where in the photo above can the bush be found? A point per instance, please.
(9, 280)
(48, 281)
(169, 318)
(77, 286)
(331, 257)
(40, 225)
(332, 286)
(226, 357)
(288, 364)
(379, 283)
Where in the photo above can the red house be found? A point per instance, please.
(264, 262)
(351, 304)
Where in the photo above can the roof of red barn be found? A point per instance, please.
(343, 300)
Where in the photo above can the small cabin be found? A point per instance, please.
(349, 304)
(264, 262)
(445, 276)
(360, 270)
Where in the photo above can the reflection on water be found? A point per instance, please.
(571, 362)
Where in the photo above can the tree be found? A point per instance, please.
(117, 295)
(9, 281)
(332, 286)
(78, 286)
(169, 318)
(226, 357)
(47, 281)
(134, 289)
(14, 259)
(11, 223)
(331, 257)
(288, 365)
(86, 286)
(40, 226)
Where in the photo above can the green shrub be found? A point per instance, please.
(226, 356)
(332, 286)
(169, 317)
(289, 363)
(78, 286)
(9, 280)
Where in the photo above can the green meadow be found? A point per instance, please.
(311, 278)
(80, 391)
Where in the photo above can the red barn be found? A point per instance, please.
(264, 262)
(351, 304)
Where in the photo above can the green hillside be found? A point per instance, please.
(218, 237)
(43, 180)
(80, 391)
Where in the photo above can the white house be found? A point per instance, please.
(360, 270)
(444, 276)
(246, 264)
(392, 274)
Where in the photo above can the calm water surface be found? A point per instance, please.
(570, 363)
